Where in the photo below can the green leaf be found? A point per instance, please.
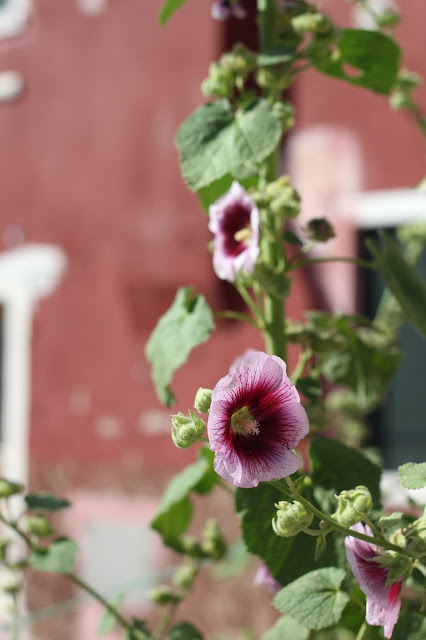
(59, 557)
(365, 58)
(45, 502)
(314, 600)
(184, 631)
(336, 466)
(213, 191)
(108, 619)
(402, 278)
(286, 627)
(168, 9)
(286, 558)
(413, 475)
(410, 626)
(187, 323)
(292, 238)
(175, 511)
(214, 141)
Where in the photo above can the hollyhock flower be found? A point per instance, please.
(383, 601)
(264, 577)
(224, 9)
(255, 420)
(234, 220)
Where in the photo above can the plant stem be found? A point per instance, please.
(251, 305)
(306, 263)
(236, 315)
(362, 631)
(97, 596)
(372, 526)
(379, 540)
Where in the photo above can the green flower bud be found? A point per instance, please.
(285, 113)
(186, 431)
(164, 594)
(291, 518)
(399, 99)
(184, 575)
(203, 400)
(312, 23)
(415, 536)
(408, 80)
(388, 18)
(239, 59)
(352, 506)
(8, 488)
(399, 566)
(284, 199)
(220, 82)
(274, 78)
(39, 526)
(319, 230)
(213, 543)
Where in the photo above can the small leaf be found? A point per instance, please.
(314, 600)
(184, 631)
(59, 557)
(175, 511)
(292, 238)
(168, 9)
(286, 627)
(45, 502)
(108, 619)
(214, 141)
(402, 278)
(373, 57)
(413, 475)
(187, 324)
(320, 547)
(392, 520)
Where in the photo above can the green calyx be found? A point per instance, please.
(400, 566)
(291, 518)
(352, 506)
(187, 430)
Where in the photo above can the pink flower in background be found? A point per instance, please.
(234, 220)
(383, 602)
(224, 9)
(264, 576)
(255, 420)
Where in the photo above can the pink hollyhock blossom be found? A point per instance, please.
(224, 9)
(255, 420)
(264, 576)
(383, 602)
(234, 220)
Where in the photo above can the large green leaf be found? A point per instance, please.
(337, 467)
(286, 627)
(314, 600)
(175, 510)
(168, 9)
(402, 278)
(215, 140)
(413, 475)
(286, 558)
(59, 557)
(187, 323)
(366, 58)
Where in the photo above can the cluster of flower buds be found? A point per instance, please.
(352, 506)
(291, 518)
(229, 72)
(187, 430)
(280, 197)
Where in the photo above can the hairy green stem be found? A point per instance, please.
(379, 540)
(251, 305)
(362, 631)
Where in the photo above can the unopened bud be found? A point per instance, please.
(184, 575)
(164, 595)
(274, 78)
(203, 400)
(285, 113)
(8, 488)
(39, 526)
(291, 518)
(319, 230)
(213, 543)
(220, 82)
(239, 59)
(187, 430)
(352, 506)
(388, 18)
(312, 23)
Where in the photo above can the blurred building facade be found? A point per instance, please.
(88, 166)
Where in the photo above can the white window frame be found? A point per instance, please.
(14, 15)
